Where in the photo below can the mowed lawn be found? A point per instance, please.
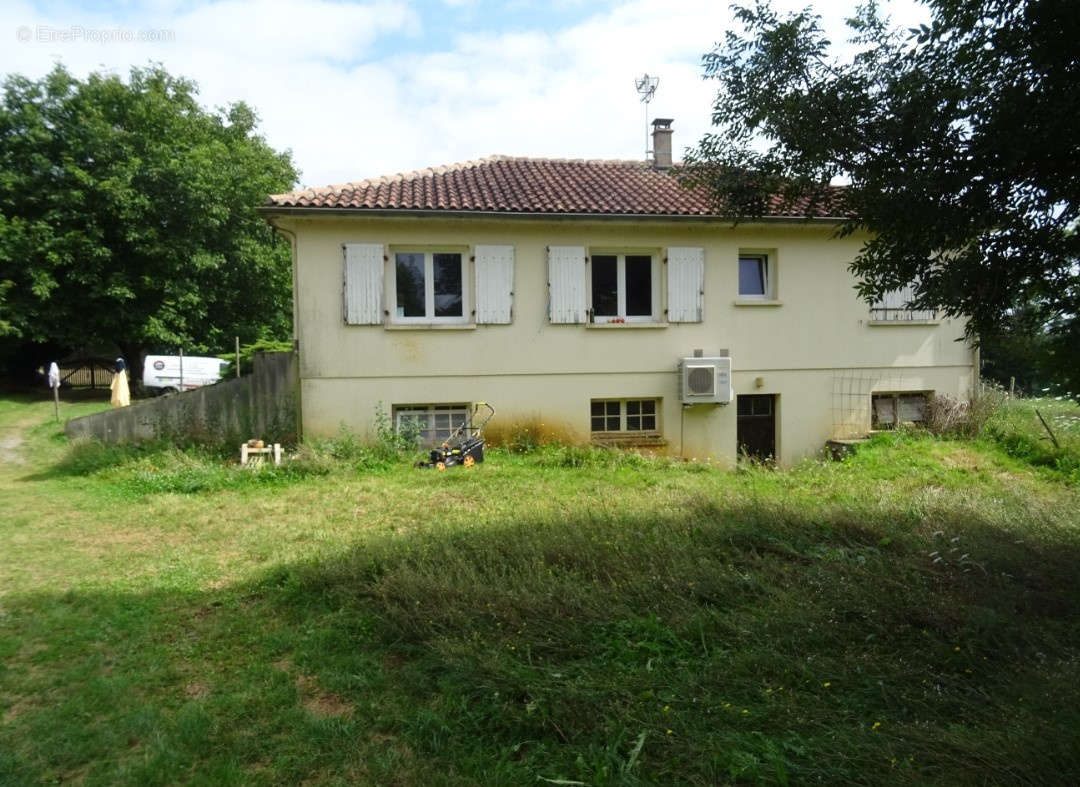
(907, 616)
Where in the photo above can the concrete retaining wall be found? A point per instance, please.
(264, 405)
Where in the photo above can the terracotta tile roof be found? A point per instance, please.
(505, 184)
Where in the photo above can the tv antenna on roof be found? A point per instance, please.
(646, 88)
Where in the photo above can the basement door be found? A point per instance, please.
(756, 414)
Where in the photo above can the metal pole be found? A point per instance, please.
(1053, 439)
(56, 401)
(181, 368)
(237, 356)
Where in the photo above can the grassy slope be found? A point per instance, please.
(906, 616)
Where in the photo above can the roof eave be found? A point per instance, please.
(282, 210)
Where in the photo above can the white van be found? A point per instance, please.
(162, 372)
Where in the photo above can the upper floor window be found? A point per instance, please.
(624, 287)
(612, 286)
(429, 286)
(895, 306)
(755, 276)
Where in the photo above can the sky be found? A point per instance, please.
(369, 88)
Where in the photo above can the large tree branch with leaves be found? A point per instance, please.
(128, 217)
(958, 142)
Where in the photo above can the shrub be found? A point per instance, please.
(956, 417)
(527, 435)
(247, 355)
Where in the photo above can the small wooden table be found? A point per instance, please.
(254, 457)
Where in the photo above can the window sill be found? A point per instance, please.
(437, 326)
(757, 302)
(879, 323)
(628, 439)
(632, 325)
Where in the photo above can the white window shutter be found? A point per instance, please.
(566, 284)
(363, 283)
(494, 284)
(895, 306)
(686, 284)
(896, 299)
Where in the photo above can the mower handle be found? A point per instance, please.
(476, 410)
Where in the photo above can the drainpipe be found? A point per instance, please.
(290, 236)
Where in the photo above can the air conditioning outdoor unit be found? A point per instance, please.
(705, 380)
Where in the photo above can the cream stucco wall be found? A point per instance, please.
(816, 349)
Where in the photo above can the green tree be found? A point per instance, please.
(1034, 348)
(128, 217)
(958, 141)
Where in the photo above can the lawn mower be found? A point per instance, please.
(465, 445)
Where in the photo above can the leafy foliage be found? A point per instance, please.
(247, 355)
(958, 139)
(127, 216)
(1035, 348)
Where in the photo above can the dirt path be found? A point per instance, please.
(13, 428)
(10, 439)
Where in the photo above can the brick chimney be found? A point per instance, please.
(661, 143)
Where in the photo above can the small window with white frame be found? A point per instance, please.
(624, 416)
(624, 286)
(429, 287)
(429, 424)
(757, 275)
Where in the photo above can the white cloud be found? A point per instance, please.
(326, 84)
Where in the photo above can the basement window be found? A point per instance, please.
(624, 415)
(431, 424)
(890, 410)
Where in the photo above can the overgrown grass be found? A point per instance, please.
(163, 467)
(1018, 430)
(562, 615)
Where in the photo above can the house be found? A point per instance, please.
(601, 297)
